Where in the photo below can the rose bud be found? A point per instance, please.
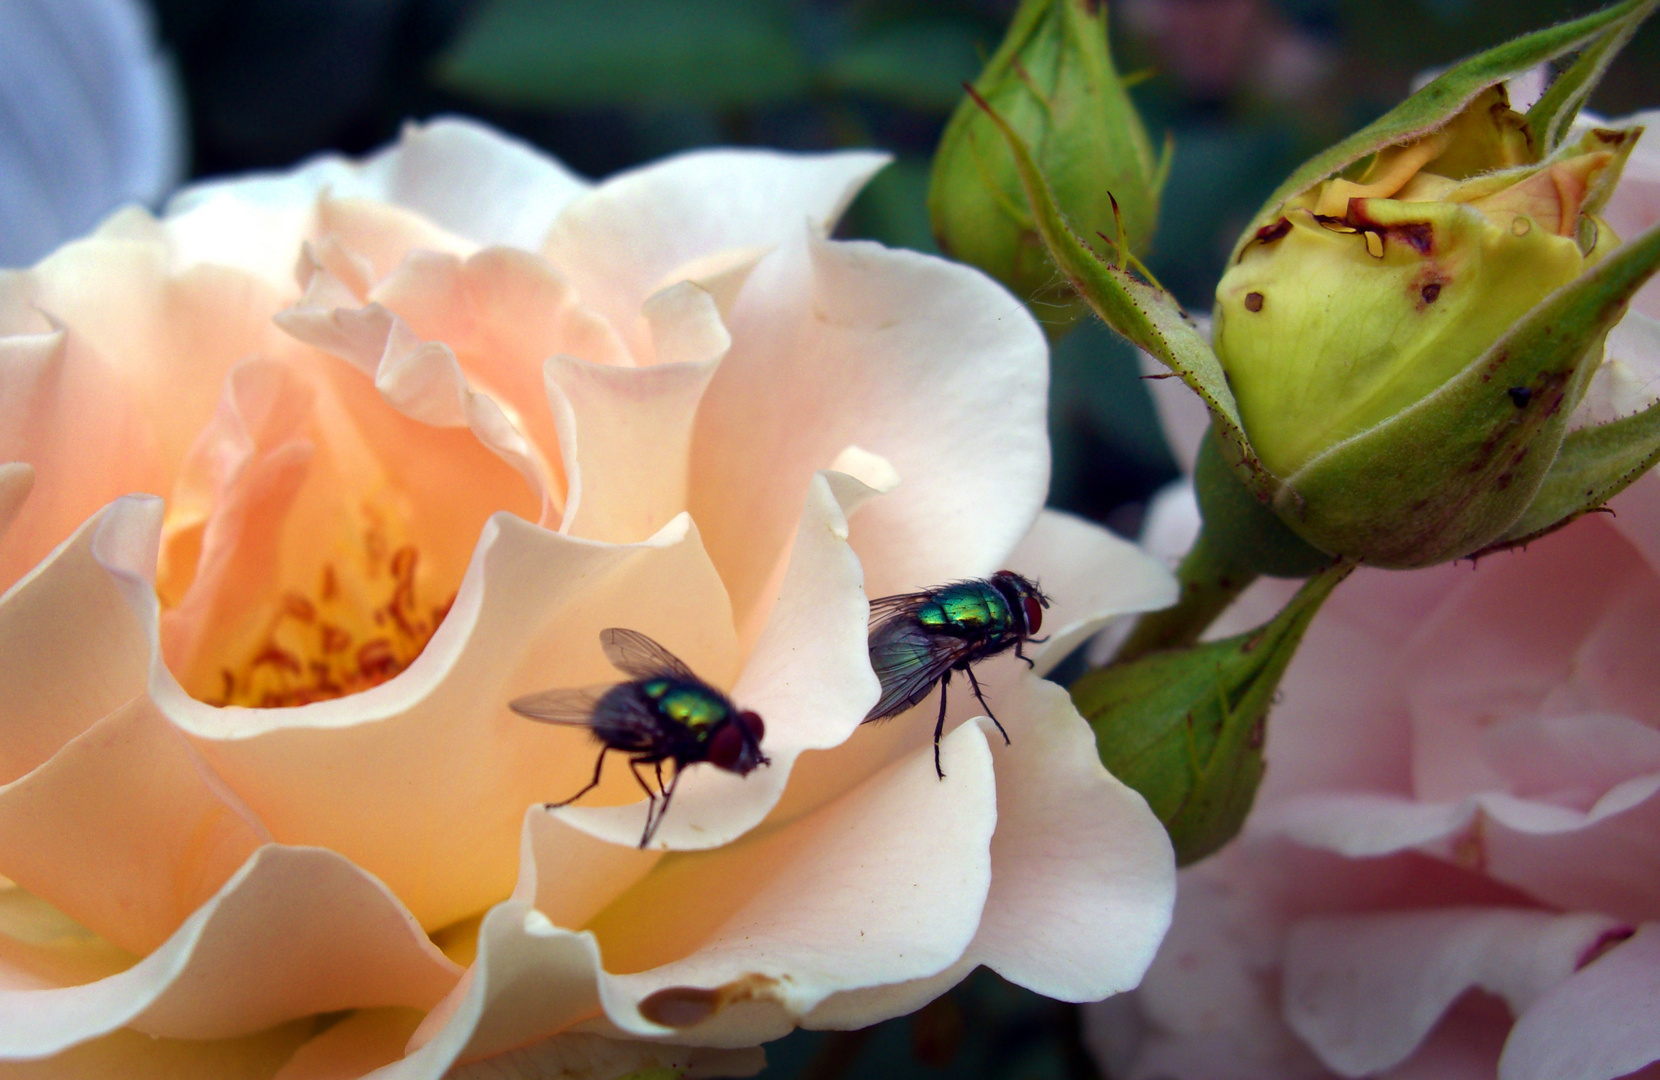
(1053, 79)
(1365, 296)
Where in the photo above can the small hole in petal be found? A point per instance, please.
(1253, 301)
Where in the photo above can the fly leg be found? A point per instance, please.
(651, 797)
(1022, 656)
(662, 810)
(972, 681)
(939, 726)
(592, 784)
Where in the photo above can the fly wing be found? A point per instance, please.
(640, 657)
(909, 661)
(574, 707)
(901, 604)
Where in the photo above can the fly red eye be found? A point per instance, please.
(1034, 615)
(726, 747)
(751, 722)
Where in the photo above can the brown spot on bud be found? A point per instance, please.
(1520, 395)
(1431, 292)
(1253, 301)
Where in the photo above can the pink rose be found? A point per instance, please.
(414, 431)
(1453, 867)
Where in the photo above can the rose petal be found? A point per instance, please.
(631, 427)
(831, 902)
(354, 1047)
(773, 925)
(1083, 875)
(321, 934)
(124, 829)
(809, 677)
(131, 1055)
(1091, 577)
(1463, 1046)
(619, 240)
(424, 780)
(421, 379)
(71, 650)
(1364, 990)
(1502, 642)
(927, 364)
(16, 480)
(1595, 1025)
(503, 312)
(468, 179)
(72, 418)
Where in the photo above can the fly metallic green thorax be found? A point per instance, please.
(918, 639)
(691, 707)
(968, 609)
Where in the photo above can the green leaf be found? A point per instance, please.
(921, 65)
(1553, 114)
(1495, 429)
(1594, 465)
(1143, 313)
(588, 53)
(1186, 729)
(1447, 94)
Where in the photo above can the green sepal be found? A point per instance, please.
(1239, 521)
(1551, 117)
(1594, 465)
(1469, 459)
(1187, 729)
(1147, 315)
(1239, 540)
(1447, 94)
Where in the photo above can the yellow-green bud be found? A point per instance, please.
(1053, 80)
(1369, 294)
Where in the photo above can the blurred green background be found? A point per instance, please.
(1247, 88)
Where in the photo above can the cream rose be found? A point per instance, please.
(413, 432)
(1450, 872)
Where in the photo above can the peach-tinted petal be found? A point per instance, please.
(1595, 1025)
(1091, 577)
(503, 312)
(354, 1047)
(225, 519)
(808, 676)
(142, 329)
(421, 379)
(16, 480)
(1364, 990)
(631, 427)
(320, 933)
(72, 418)
(124, 830)
(132, 1055)
(71, 650)
(837, 900)
(929, 365)
(424, 780)
(768, 927)
(469, 179)
(619, 240)
(1083, 875)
